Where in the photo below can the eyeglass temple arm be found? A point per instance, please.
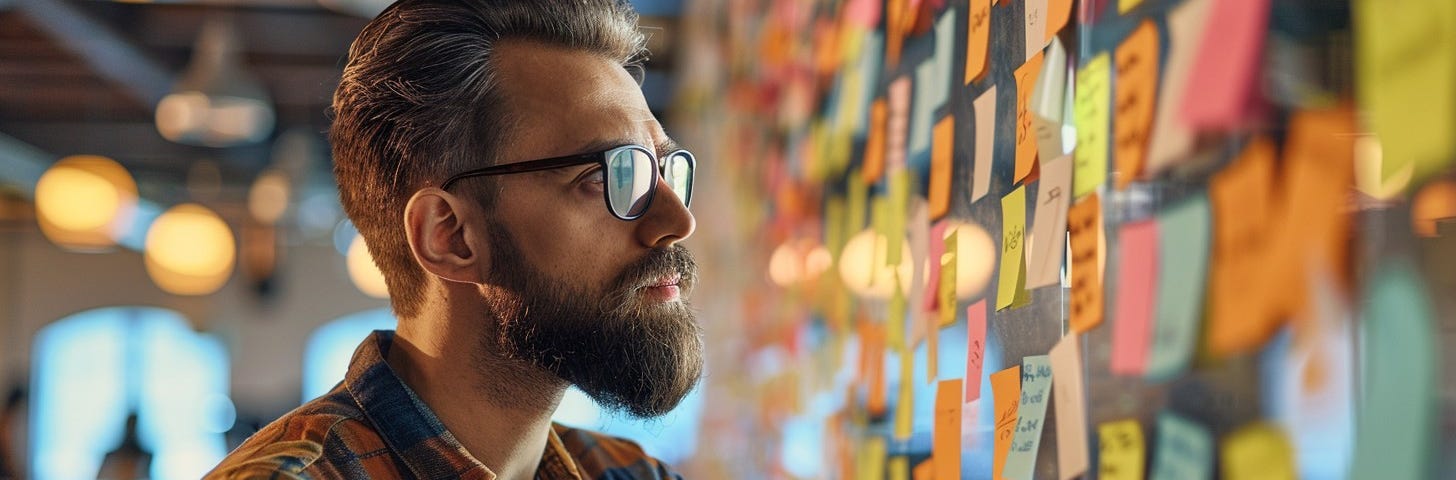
(525, 167)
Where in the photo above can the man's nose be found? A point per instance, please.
(667, 220)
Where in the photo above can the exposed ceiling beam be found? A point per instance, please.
(99, 46)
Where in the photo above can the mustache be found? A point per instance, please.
(673, 260)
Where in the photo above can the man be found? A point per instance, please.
(474, 144)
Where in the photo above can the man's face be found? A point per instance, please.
(596, 300)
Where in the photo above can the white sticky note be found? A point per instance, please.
(985, 107)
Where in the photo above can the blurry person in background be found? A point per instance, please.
(526, 209)
(12, 428)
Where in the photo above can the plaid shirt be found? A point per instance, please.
(373, 426)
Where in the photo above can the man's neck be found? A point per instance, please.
(500, 411)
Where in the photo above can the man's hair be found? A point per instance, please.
(420, 100)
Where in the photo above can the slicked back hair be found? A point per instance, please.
(420, 100)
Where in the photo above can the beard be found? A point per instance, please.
(629, 353)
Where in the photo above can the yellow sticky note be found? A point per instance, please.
(1121, 448)
(899, 201)
(1257, 451)
(947, 287)
(899, 468)
(1124, 6)
(871, 464)
(895, 319)
(1013, 233)
(905, 404)
(1092, 109)
(1405, 68)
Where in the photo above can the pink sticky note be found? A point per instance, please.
(1221, 86)
(898, 125)
(865, 13)
(1137, 269)
(937, 248)
(975, 348)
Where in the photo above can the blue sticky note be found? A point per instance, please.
(1184, 450)
(1036, 388)
(1396, 418)
(1183, 250)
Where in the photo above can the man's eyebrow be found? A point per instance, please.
(602, 145)
(667, 145)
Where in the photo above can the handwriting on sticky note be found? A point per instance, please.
(1241, 194)
(874, 152)
(1036, 385)
(946, 450)
(1120, 445)
(1049, 229)
(975, 348)
(947, 295)
(941, 166)
(1026, 76)
(1013, 234)
(985, 107)
(1257, 451)
(1184, 451)
(978, 38)
(1404, 76)
(1092, 108)
(1006, 385)
(1137, 77)
(1137, 272)
(1068, 393)
(1183, 266)
(1171, 138)
(1084, 228)
(1224, 76)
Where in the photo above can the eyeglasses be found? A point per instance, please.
(630, 175)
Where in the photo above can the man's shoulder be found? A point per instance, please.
(327, 437)
(604, 456)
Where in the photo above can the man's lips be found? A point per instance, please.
(665, 288)
(670, 280)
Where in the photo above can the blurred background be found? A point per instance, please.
(176, 270)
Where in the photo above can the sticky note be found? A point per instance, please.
(1259, 451)
(905, 402)
(947, 284)
(1013, 232)
(1036, 392)
(1396, 426)
(1026, 76)
(1184, 450)
(872, 366)
(1172, 139)
(1124, 6)
(930, 300)
(1035, 30)
(868, 63)
(1137, 77)
(919, 320)
(922, 112)
(898, 202)
(1068, 393)
(872, 459)
(942, 162)
(978, 38)
(1137, 271)
(1227, 66)
(975, 349)
(1059, 12)
(1048, 102)
(897, 124)
(874, 150)
(925, 470)
(985, 107)
(865, 13)
(946, 449)
(1121, 450)
(1092, 108)
(1405, 66)
(899, 465)
(1084, 229)
(1049, 229)
(1241, 194)
(1006, 385)
(895, 30)
(895, 318)
(1183, 242)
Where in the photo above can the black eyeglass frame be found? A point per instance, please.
(600, 158)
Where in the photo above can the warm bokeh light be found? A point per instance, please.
(363, 271)
(85, 202)
(861, 266)
(1434, 202)
(268, 199)
(975, 258)
(197, 119)
(786, 265)
(190, 250)
(1369, 170)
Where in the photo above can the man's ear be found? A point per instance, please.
(436, 229)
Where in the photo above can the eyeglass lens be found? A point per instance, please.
(630, 180)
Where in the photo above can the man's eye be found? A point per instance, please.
(594, 176)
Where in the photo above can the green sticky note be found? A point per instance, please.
(1184, 450)
(1396, 419)
(1185, 231)
(1036, 392)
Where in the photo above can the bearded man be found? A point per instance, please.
(525, 207)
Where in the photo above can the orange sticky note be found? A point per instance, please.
(1224, 77)
(1121, 450)
(1242, 197)
(1059, 12)
(941, 166)
(1136, 92)
(1006, 385)
(1084, 226)
(978, 38)
(1068, 394)
(925, 470)
(895, 30)
(946, 451)
(874, 150)
(1137, 273)
(1026, 76)
(872, 366)
(1171, 138)
(975, 348)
